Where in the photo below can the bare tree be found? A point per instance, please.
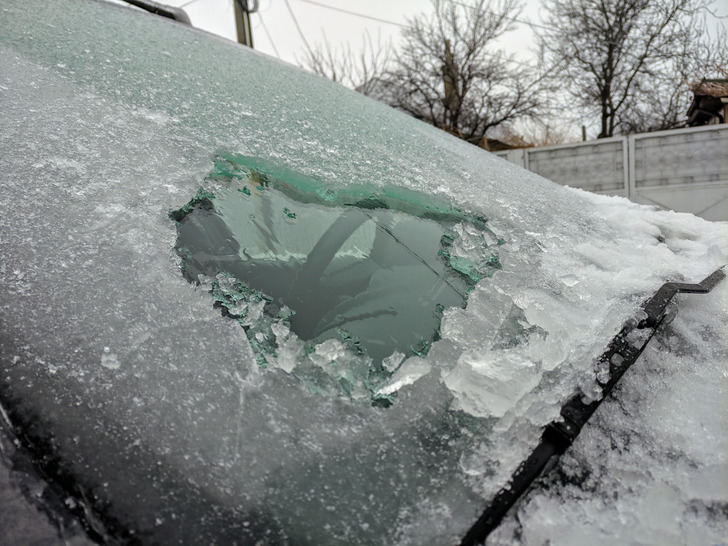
(450, 73)
(359, 71)
(629, 61)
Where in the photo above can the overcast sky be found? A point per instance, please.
(275, 32)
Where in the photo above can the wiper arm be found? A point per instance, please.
(621, 353)
(178, 14)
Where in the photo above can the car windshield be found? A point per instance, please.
(242, 303)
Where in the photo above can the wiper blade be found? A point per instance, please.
(621, 353)
(178, 14)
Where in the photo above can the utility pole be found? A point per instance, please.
(452, 89)
(243, 9)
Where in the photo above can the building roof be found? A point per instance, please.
(711, 88)
(708, 104)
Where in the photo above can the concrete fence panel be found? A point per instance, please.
(598, 166)
(684, 169)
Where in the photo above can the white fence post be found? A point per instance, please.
(629, 175)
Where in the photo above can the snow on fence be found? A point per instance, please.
(683, 169)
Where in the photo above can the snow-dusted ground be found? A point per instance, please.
(154, 402)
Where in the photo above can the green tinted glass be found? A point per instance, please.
(373, 268)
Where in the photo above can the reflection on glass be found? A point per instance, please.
(368, 266)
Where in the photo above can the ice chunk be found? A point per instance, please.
(110, 360)
(488, 385)
(408, 373)
(392, 362)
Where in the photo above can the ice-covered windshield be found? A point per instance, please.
(157, 414)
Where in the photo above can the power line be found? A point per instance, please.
(298, 27)
(356, 14)
(529, 23)
(390, 22)
(270, 38)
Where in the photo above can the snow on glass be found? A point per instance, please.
(336, 287)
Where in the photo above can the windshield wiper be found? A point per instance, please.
(178, 14)
(621, 353)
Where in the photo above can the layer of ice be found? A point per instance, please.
(652, 467)
(26, 500)
(189, 438)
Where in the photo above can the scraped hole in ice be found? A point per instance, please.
(329, 284)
